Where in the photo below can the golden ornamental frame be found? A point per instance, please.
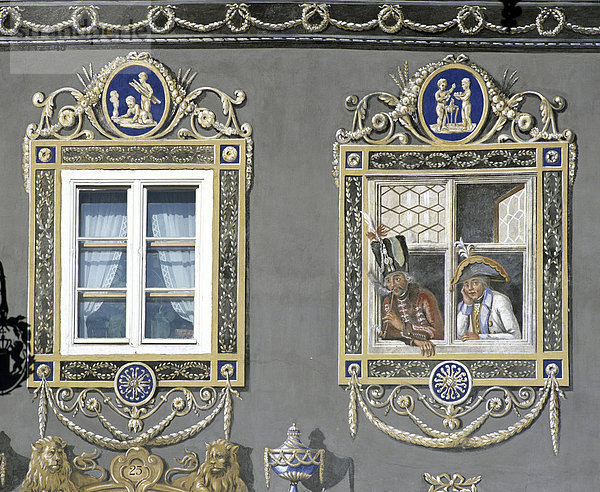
(421, 139)
(63, 140)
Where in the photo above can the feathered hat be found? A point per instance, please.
(391, 254)
(476, 266)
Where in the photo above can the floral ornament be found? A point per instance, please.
(177, 87)
(456, 483)
(206, 118)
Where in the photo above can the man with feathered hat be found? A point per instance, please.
(483, 313)
(410, 314)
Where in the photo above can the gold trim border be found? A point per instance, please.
(540, 355)
(215, 359)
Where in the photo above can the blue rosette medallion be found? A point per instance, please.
(453, 104)
(135, 384)
(136, 100)
(293, 460)
(450, 382)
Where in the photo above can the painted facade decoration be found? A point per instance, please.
(136, 470)
(138, 241)
(110, 303)
(454, 244)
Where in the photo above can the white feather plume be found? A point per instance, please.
(463, 249)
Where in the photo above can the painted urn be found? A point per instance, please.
(293, 460)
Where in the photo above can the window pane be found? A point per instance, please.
(171, 213)
(511, 217)
(170, 317)
(477, 209)
(101, 317)
(416, 211)
(102, 265)
(102, 213)
(170, 267)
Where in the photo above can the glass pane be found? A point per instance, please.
(477, 209)
(101, 265)
(171, 317)
(101, 317)
(511, 217)
(171, 212)
(102, 213)
(170, 267)
(416, 211)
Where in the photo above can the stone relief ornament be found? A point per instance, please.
(454, 204)
(137, 470)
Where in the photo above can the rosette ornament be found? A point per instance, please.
(293, 460)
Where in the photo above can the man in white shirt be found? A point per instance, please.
(483, 313)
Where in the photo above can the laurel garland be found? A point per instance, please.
(470, 20)
(121, 441)
(463, 438)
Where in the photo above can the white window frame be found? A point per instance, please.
(137, 181)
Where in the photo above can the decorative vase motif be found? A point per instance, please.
(293, 460)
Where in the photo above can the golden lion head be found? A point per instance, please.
(220, 471)
(49, 469)
(221, 456)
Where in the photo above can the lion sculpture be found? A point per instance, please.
(220, 471)
(50, 471)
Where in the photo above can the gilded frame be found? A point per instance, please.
(227, 154)
(547, 161)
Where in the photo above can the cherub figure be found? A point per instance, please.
(442, 96)
(465, 97)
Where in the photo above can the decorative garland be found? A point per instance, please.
(314, 18)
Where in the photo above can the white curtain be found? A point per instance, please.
(101, 216)
(174, 218)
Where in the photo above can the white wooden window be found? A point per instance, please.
(136, 252)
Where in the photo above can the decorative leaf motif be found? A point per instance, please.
(388, 99)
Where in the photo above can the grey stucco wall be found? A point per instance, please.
(295, 104)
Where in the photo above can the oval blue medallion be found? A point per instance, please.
(136, 100)
(135, 383)
(450, 382)
(453, 104)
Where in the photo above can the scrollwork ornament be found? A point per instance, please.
(494, 402)
(92, 403)
(66, 122)
(455, 483)
(406, 108)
